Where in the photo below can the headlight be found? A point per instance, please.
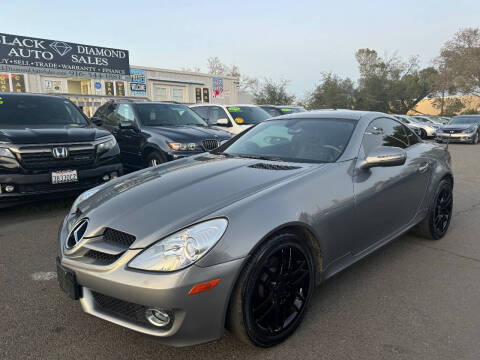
(106, 144)
(181, 249)
(471, 129)
(4, 152)
(82, 197)
(184, 146)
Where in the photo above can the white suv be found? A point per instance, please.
(232, 118)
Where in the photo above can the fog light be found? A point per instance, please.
(106, 177)
(157, 317)
(9, 188)
(114, 175)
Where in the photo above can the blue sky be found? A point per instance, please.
(294, 40)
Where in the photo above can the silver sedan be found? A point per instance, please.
(238, 238)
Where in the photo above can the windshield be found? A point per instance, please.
(27, 110)
(247, 115)
(273, 111)
(424, 120)
(309, 140)
(468, 120)
(168, 115)
(290, 110)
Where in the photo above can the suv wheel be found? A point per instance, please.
(155, 158)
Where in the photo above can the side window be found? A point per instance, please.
(110, 117)
(100, 111)
(201, 110)
(384, 132)
(215, 114)
(412, 137)
(125, 113)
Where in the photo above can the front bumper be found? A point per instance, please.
(30, 187)
(197, 318)
(457, 137)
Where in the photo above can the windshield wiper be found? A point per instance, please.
(260, 157)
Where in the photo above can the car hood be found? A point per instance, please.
(458, 127)
(155, 202)
(50, 135)
(189, 133)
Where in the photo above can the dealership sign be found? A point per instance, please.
(138, 84)
(39, 56)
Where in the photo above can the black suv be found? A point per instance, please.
(49, 147)
(151, 133)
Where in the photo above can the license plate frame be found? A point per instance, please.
(64, 177)
(68, 282)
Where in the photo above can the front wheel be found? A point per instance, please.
(475, 139)
(437, 222)
(423, 134)
(273, 291)
(155, 158)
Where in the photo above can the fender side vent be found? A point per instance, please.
(265, 166)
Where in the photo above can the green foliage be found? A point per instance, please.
(273, 93)
(448, 106)
(333, 92)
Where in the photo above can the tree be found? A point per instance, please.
(390, 84)
(460, 61)
(245, 83)
(333, 92)
(448, 106)
(215, 66)
(273, 93)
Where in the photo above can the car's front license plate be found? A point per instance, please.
(68, 282)
(64, 176)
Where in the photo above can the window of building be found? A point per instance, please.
(159, 93)
(177, 95)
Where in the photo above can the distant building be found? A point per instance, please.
(426, 106)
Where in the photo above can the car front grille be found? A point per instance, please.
(41, 187)
(118, 237)
(41, 157)
(105, 259)
(453, 131)
(210, 144)
(124, 309)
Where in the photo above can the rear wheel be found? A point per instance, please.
(273, 291)
(436, 224)
(155, 158)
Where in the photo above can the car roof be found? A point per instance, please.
(331, 114)
(226, 106)
(31, 95)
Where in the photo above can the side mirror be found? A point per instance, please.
(384, 156)
(126, 124)
(223, 122)
(97, 121)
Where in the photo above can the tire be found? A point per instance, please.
(423, 134)
(267, 291)
(155, 158)
(437, 221)
(475, 139)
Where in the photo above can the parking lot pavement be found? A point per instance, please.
(413, 299)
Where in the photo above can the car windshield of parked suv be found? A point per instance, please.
(289, 110)
(24, 110)
(168, 115)
(466, 120)
(296, 140)
(273, 111)
(248, 115)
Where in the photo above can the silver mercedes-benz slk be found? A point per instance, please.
(239, 237)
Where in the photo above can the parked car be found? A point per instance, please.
(275, 110)
(412, 125)
(48, 147)
(272, 110)
(151, 133)
(232, 118)
(177, 252)
(462, 128)
(428, 126)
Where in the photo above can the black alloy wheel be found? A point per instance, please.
(275, 290)
(437, 221)
(155, 158)
(423, 134)
(442, 212)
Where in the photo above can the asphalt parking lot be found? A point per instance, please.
(413, 299)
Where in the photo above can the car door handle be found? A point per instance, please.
(423, 168)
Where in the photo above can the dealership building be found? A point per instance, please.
(91, 76)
